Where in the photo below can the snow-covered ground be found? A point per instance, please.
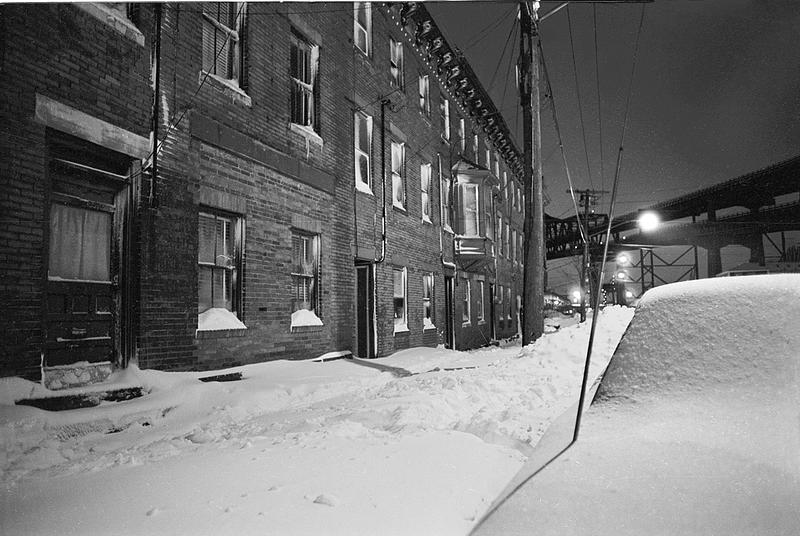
(301, 447)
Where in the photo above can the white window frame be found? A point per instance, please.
(398, 165)
(359, 29)
(475, 148)
(425, 179)
(514, 245)
(304, 272)
(501, 238)
(229, 262)
(462, 134)
(359, 153)
(466, 313)
(306, 89)
(444, 108)
(465, 209)
(445, 194)
(396, 64)
(400, 323)
(425, 95)
(488, 155)
(428, 310)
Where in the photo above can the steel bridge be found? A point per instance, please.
(692, 220)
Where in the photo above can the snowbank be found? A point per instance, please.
(217, 318)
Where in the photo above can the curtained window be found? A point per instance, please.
(80, 243)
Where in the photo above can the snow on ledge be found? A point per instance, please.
(216, 319)
(427, 324)
(304, 317)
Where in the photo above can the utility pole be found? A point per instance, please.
(533, 276)
(588, 199)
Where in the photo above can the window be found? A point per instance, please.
(501, 230)
(488, 157)
(218, 259)
(514, 245)
(469, 201)
(362, 27)
(462, 135)
(444, 108)
(507, 238)
(508, 303)
(488, 209)
(466, 312)
(425, 95)
(504, 183)
(496, 165)
(398, 175)
(475, 147)
(427, 300)
(363, 151)
(396, 63)
(222, 50)
(80, 243)
(425, 180)
(305, 272)
(400, 310)
(445, 184)
(304, 65)
(520, 250)
(481, 308)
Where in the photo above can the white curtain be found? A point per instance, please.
(80, 243)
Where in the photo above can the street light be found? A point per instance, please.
(649, 221)
(623, 259)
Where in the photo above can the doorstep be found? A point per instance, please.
(85, 397)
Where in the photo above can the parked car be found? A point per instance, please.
(692, 430)
(557, 303)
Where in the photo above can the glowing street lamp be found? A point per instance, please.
(649, 221)
(623, 259)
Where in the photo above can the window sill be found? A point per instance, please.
(399, 208)
(401, 329)
(466, 324)
(307, 329)
(363, 188)
(307, 132)
(481, 322)
(427, 221)
(429, 328)
(121, 25)
(228, 87)
(448, 229)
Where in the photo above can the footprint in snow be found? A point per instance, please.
(152, 512)
(327, 500)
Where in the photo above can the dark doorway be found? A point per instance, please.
(493, 332)
(450, 339)
(365, 311)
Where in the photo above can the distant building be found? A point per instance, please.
(329, 177)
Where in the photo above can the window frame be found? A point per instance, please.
(426, 191)
(310, 89)
(232, 30)
(396, 63)
(366, 30)
(425, 95)
(359, 152)
(235, 262)
(400, 323)
(315, 275)
(464, 209)
(428, 303)
(399, 176)
(466, 304)
(445, 196)
(462, 134)
(481, 302)
(444, 110)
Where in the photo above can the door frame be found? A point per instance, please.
(367, 321)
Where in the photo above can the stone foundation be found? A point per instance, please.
(76, 375)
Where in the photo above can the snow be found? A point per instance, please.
(218, 318)
(694, 428)
(305, 317)
(297, 447)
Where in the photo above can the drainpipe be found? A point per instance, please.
(384, 103)
(152, 199)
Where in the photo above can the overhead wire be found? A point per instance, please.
(599, 102)
(578, 91)
(487, 31)
(614, 189)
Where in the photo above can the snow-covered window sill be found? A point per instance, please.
(363, 188)
(403, 328)
(466, 324)
(112, 19)
(228, 87)
(307, 132)
(427, 220)
(219, 322)
(304, 320)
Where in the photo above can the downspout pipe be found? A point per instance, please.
(152, 197)
(384, 103)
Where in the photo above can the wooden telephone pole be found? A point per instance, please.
(533, 277)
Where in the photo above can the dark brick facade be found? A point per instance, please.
(234, 149)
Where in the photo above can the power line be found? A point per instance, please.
(578, 91)
(599, 105)
(486, 32)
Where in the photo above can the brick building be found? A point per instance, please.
(329, 177)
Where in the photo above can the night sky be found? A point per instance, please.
(716, 92)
